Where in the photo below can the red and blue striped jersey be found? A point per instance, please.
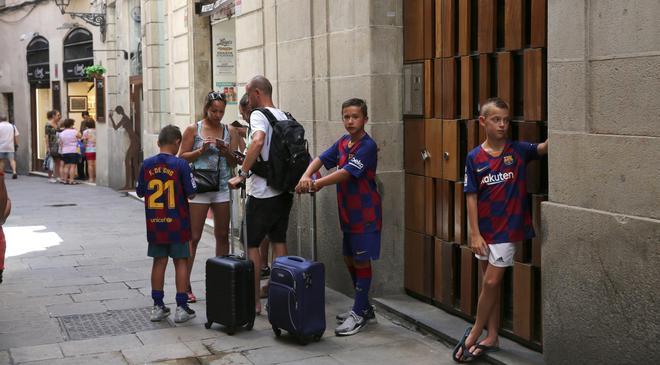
(165, 181)
(357, 198)
(502, 203)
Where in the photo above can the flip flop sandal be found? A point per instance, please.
(191, 297)
(486, 349)
(466, 356)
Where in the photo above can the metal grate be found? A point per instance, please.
(110, 323)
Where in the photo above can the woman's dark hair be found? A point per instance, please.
(210, 98)
(68, 123)
(244, 102)
(52, 113)
(169, 135)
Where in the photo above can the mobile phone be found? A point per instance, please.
(220, 141)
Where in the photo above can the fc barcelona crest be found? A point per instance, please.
(508, 160)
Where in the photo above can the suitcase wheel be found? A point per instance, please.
(231, 330)
(303, 340)
(207, 325)
(277, 331)
(249, 325)
(317, 338)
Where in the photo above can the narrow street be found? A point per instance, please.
(76, 291)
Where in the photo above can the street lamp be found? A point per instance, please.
(95, 19)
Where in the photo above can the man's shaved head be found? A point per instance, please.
(262, 84)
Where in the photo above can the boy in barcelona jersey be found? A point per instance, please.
(355, 157)
(166, 183)
(498, 216)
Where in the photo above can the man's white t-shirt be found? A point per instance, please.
(257, 185)
(7, 133)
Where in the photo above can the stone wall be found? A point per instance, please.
(318, 53)
(602, 221)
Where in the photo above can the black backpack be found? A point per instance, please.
(288, 156)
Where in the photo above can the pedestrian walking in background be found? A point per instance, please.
(498, 216)
(53, 146)
(69, 138)
(207, 145)
(267, 209)
(8, 144)
(355, 155)
(166, 183)
(5, 209)
(89, 141)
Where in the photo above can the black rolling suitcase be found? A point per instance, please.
(230, 297)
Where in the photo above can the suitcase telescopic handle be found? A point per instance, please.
(296, 258)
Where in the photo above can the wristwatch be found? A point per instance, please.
(242, 173)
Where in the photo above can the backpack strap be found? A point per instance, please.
(271, 118)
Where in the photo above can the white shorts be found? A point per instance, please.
(210, 197)
(499, 254)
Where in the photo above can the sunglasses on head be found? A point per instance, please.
(215, 95)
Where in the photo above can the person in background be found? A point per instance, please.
(52, 144)
(69, 143)
(8, 143)
(89, 139)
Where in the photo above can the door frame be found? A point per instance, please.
(136, 96)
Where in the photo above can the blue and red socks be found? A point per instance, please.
(362, 286)
(182, 300)
(157, 296)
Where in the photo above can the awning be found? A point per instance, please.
(207, 8)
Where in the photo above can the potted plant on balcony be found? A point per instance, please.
(94, 71)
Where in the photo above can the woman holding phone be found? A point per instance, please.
(207, 145)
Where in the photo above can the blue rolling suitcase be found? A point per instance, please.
(296, 296)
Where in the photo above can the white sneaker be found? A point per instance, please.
(52, 180)
(352, 325)
(159, 313)
(183, 314)
(370, 314)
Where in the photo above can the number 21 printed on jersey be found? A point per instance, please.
(159, 188)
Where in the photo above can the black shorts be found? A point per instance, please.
(70, 158)
(268, 216)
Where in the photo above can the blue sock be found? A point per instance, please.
(362, 285)
(182, 300)
(157, 296)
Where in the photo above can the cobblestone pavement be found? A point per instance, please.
(76, 285)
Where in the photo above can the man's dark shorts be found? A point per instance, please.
(268, 216)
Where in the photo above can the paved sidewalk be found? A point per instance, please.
(77, 287)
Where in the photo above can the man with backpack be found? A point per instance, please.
(276, 152)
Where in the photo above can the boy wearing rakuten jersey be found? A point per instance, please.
(498, 215)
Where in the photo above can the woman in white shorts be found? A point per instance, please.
(207, 145)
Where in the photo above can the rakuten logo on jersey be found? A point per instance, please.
(494, 179)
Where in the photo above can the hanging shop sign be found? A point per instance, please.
(207, 8)
(75, 70)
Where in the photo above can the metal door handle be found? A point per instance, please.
(425, 155)
(445, 156)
